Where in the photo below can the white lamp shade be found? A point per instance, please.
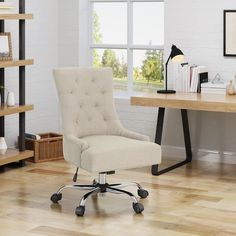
(178, 58)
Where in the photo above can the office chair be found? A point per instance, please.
(93, 137)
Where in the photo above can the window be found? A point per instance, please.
(128, 35)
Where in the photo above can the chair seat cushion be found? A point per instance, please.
(108, 153)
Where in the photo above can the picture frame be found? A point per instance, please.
(229, 33)
(5, 47)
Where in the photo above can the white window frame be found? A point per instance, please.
(130, 47)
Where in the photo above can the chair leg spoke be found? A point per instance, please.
(124, 185)
(76, 186)
(134, 199)
(85, 197)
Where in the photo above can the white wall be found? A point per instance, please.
(197, 28)
(68, 20)
(42, 45)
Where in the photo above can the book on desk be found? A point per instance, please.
(213, 88)
(190, 78)
(195, 79)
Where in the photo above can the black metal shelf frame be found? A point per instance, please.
(21, 80)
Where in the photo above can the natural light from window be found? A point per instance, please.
(128, 36)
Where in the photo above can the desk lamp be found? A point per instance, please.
(176, 55)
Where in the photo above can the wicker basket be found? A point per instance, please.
(48, 148)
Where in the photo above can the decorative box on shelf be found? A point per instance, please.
(47, 148)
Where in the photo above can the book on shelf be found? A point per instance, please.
(32, 136)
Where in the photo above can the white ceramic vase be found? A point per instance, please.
(3, 146)
(10, 99)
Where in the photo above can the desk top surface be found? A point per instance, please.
(189, 101)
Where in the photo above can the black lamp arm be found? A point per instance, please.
(167, 71)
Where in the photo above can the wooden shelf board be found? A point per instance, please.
(12, 16)
(5, 110)
(14, 63)
(14, 155)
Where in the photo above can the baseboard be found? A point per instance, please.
(178, 153)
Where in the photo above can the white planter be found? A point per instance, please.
(3, 146)
(10, 99)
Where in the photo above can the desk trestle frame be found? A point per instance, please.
(187, 140)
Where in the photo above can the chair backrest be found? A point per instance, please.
(86, 101)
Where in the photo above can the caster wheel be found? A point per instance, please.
(79, 211)
(138, 207)
(56, 197)
(143, 193)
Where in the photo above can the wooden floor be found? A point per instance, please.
(197, 200)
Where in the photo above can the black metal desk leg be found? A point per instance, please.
(187, 142)
(159, 129)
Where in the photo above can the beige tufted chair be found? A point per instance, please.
(94, 139)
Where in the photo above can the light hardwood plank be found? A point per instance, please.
(198, 199)
(52, 231)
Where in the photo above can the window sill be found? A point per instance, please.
(122, 98)
(128, 96)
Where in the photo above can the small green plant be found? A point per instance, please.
(2, 88)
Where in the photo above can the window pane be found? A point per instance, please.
(117, 60)
(110, 23)
(148, 72)
(148, 23)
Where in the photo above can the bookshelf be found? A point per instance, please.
(16, 16)
(20, 154)
(14, 63)
(5, 110)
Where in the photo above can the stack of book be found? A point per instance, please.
(7, 7)
(212, 88)
(190, 77)
(32, 136)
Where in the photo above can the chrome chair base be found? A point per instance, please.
(102, 187)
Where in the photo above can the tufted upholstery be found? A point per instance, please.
(87, 106)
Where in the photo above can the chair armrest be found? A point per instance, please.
(73, 147)
(133, 135)
(79, 142)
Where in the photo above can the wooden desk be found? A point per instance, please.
(184, 102)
